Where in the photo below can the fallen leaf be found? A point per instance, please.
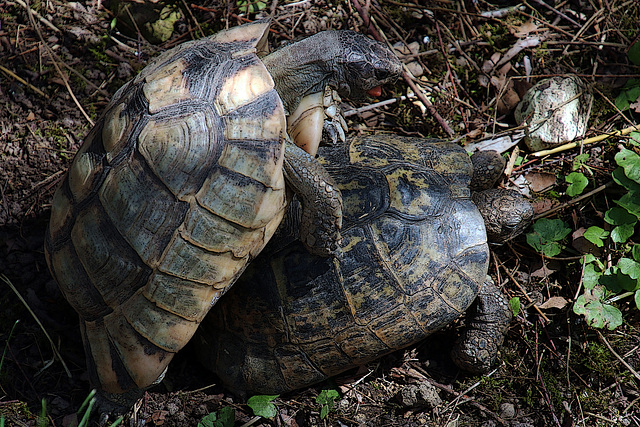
(543, 205)
(554, 302)
(525, 29)
(545, 270)
(540, 181)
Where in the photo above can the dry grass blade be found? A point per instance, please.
(14, 76)
(6, 280)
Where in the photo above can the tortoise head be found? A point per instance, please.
(363, 66)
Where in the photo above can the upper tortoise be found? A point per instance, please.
(182, 182)
(414, 258)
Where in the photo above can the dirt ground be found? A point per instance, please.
(61, 62)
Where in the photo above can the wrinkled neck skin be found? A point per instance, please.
(306, 67)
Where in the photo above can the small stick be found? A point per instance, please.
(598, 138)
(617, 356)
(21, 80)
(573, 201)
(407, 77)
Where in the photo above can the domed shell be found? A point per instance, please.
(414, 255)
(176, 188)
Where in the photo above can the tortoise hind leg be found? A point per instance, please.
(321, 201)
(488, 320)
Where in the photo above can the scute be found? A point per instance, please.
(243, 86)
(181, 168)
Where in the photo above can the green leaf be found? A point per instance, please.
(619, 216)
(634, 138)
(327, 398)
(611, 281)
(589, 258)
(546, 235)
(629, 267)
(634, 53)
(590, 277)
(262, 405)
(578, 183)
(630, 161)
(596, 235)
(631, 202)
(596, 313)
(622, 233)
(620, 178)
(629, 94)
(636, 298)
(611, 316)
(514, 303)
(324, 412)
(635, 252)
(552, 229)
(579, 160)
(590, 295)
(625, 223)
(225, 417)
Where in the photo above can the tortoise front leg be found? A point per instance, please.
(488, 321)
(321, 201)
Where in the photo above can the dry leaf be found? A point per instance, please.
(525, 29)
(545, 270)
(554, 302)
(540, 181)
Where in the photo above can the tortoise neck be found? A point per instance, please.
(304, 67)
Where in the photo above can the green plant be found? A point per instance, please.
(327, 399)
(42, 421)
(6, 344)
(225, 417)
(605, 284)
(577, 183)
(262, 405)
(547, 236)
(514, 304)
(251, 6)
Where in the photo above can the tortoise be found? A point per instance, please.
(182, 182)
(414, 258)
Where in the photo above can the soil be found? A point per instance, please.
(61, 63)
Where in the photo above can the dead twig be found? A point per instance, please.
(428, 105)
(617, 356)
(573, 201)
(598, 138)
(14, 76)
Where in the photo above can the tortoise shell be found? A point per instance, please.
(178, 186)
(414, 257)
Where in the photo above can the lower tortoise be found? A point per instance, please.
(414, 258)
